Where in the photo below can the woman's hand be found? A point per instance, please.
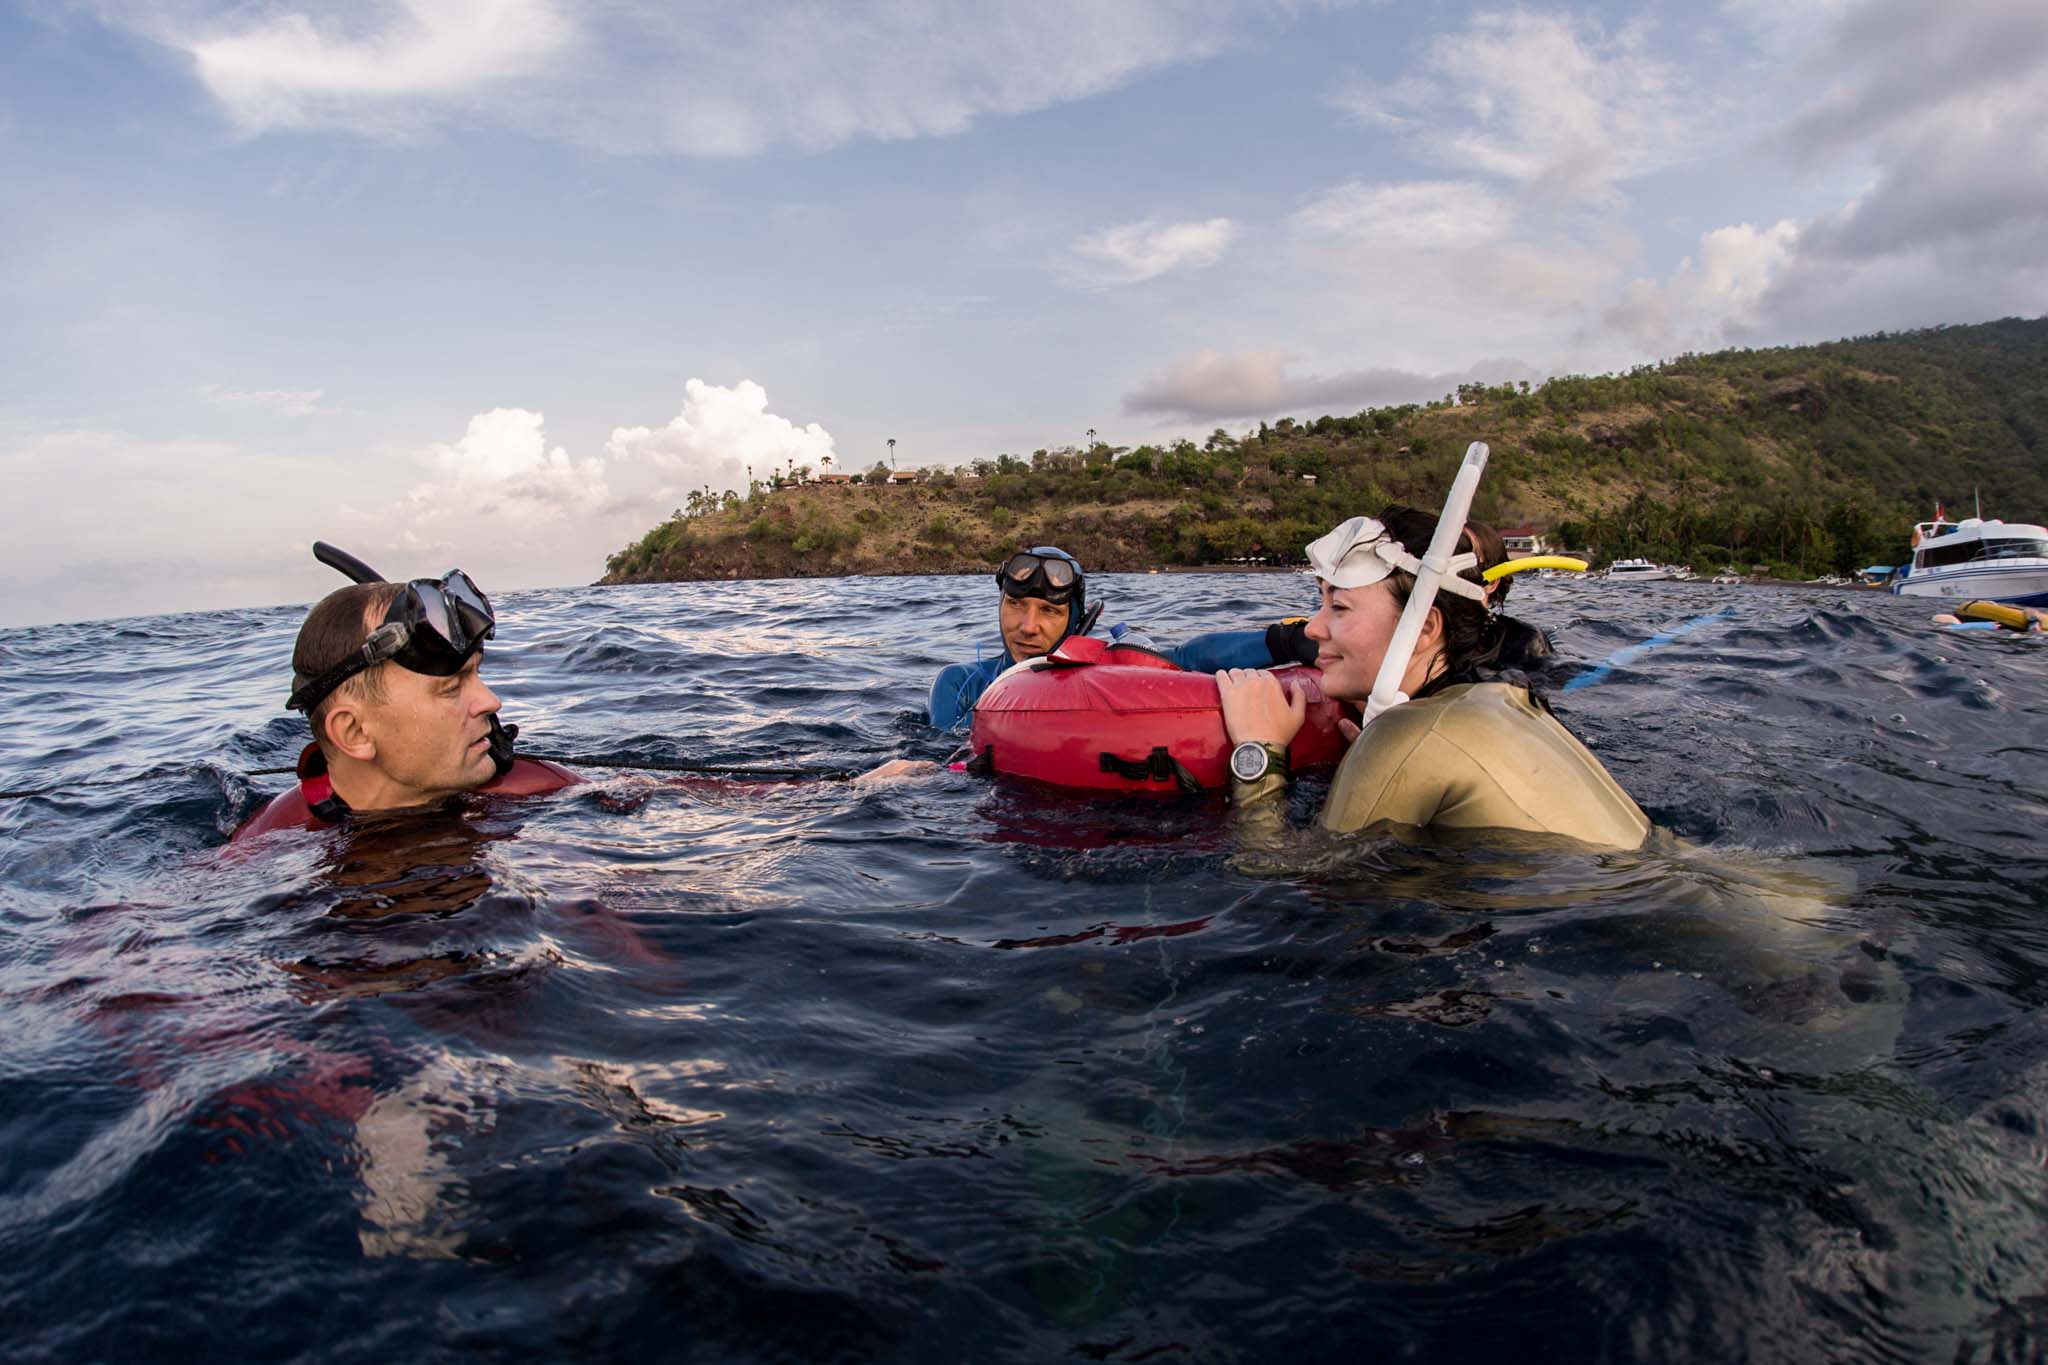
(1256, 708)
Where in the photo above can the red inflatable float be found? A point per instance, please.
(1120, 718)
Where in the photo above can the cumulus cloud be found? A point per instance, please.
(1713, 294)
(503, 466)
(719, 434)
(1257, 383)
(1130, 253)
(692, 76)
(1563, 109)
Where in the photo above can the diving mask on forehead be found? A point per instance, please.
(433, 627)
(1361, 552)
(1042, 571)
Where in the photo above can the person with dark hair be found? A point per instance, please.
(389, 678)
(1044, 599)
(1471, 749)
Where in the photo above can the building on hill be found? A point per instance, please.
(835, 480)
(1523, 540)
(902, 476)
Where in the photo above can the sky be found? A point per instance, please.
(494, 283)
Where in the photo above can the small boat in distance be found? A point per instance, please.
(1975, 558)
(1637, 571)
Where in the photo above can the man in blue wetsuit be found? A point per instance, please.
(1045, 599)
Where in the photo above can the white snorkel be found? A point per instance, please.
(1386, 688)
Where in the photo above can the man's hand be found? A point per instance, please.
(897, 770)
(1256, 708)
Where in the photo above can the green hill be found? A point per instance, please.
(1804, 458)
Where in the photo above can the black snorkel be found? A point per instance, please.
(348, 566)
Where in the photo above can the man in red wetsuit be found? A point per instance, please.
(388, 675)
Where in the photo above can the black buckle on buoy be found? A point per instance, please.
(1157, 766)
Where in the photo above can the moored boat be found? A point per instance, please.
(1975, 558)
(1637, 571)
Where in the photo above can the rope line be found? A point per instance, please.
(571, 761)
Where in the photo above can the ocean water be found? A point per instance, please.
(709, 1069)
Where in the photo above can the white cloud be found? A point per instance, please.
(1560, 108)
(503, 466)
(719, 433)
(1944, 111)
(1257, 383)
(1130, 253)
(695, 76)
(1424, 215)
(290, 70)
(1716, 293)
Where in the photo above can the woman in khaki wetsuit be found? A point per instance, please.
(1466, 753)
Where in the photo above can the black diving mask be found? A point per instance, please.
(433, 627)
(1041, 571)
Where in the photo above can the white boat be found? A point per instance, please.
(1973, 558)
(1637, 571)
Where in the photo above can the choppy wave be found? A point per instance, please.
(795, 1070)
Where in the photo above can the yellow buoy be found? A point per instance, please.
(2012, 618)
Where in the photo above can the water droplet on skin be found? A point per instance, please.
(1498, 963)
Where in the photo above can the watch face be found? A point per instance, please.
(1249, 761)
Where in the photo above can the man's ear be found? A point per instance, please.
(346, 732)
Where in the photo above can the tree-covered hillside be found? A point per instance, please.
(1804, 459)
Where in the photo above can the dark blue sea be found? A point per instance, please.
(693, 1068)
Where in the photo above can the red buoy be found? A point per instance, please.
(1117, 718)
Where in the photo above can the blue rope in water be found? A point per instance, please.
(1622, 657)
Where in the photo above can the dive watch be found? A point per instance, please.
(1252, 760)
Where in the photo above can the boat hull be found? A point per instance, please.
(2019, 585)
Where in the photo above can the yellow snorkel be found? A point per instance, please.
(1500, 571)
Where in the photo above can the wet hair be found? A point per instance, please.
(1472, 632)
(333, 630)
(1492, 549)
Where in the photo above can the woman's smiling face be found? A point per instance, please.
(1352, 629)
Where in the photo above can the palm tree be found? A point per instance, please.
(892, 452)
